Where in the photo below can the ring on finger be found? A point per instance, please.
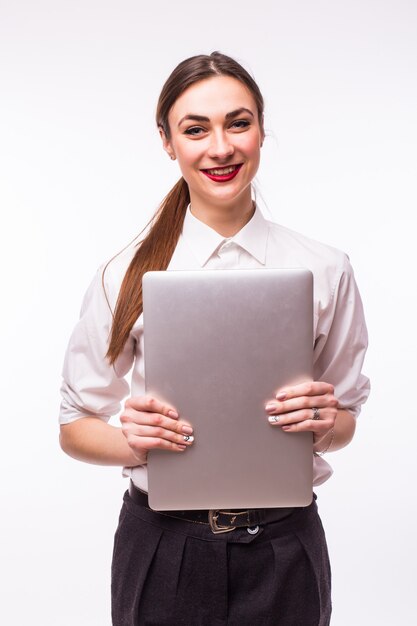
(316, 413)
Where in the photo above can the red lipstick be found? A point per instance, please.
(222, 178)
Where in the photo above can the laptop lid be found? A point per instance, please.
(217, 346)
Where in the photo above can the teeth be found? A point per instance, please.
(223, 171)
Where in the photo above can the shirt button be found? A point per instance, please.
(253, 531)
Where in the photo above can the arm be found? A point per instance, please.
(339, 351)
(92, 440)
(92, 391)
(146, 424)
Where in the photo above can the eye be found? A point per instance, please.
(240, 124)
(194, 131)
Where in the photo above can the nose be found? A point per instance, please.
(220, 146)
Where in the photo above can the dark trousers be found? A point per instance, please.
(168, 572)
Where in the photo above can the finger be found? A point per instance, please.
(319, 429)
(302, 402)
(151, 405)
(132, 421)
(301, 415)
(152, 443)
(308, 388)
(327, 416)
(139, 430)
(154, 419)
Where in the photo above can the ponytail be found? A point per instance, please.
(154, 253)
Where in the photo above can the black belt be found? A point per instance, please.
(218, 520)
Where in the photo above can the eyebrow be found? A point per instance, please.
(202, 118)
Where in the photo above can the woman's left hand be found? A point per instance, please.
(309, 406)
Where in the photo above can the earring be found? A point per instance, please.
(172, 157)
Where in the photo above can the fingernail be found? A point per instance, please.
(270, 406)
(173, 414)
(188, 438)
(187, 430)
(181, 447)
(273, 419)
(281, 395)
(286, 427)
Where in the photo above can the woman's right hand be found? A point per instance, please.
(148, 423)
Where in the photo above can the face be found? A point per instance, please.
(216, 138)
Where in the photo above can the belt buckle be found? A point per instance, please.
(213, 516)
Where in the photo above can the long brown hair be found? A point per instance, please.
(157, 247)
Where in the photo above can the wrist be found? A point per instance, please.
(137, 457)
(325, 443)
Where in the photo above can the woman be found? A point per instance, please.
(171, 569)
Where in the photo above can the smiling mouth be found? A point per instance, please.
(222, 174)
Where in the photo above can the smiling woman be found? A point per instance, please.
(180, 567)
(216, 134)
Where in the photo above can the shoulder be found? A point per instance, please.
(307, 251)
(329, 265)
(311, 249)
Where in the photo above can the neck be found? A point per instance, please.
(226, 220)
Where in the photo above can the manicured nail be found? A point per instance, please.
(273, 419)
(270, 406)
(188, 438)
(286, 427)
(173, 414)
(181, 447)
(281, 395)
(187, 430)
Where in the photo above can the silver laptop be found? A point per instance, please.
(218, 345)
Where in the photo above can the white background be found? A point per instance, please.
(81, 170)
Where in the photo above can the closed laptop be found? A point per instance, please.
(218, 344)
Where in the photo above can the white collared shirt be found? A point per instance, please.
(92, 387)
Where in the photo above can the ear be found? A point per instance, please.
(166, 144)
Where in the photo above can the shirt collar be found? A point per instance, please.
(204, 240)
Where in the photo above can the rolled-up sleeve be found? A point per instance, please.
(91, 386)
(341, 342)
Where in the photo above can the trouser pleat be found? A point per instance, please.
(313, 541)
(132, 559)
(295, 597)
